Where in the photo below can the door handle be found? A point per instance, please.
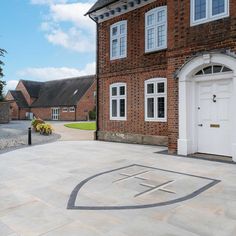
(200, 125)
(214, 98)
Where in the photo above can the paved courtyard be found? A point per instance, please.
(92, 188)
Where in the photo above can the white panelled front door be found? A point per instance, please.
(55, 113)
(213, 117)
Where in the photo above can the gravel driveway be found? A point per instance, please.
(15, 135)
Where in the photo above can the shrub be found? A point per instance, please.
(44, 128)
(92, 114)
(35, 122)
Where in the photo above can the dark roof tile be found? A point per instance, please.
(100, 4)
(19, 98)
(65, 92)
(33, 87)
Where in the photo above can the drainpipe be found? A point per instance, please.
(75, 113)
(97, 72)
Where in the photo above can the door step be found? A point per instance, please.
(212, 157)
(202, 156)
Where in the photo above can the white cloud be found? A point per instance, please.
(72, 39)
(78, 34)
(54, 73)
(73, 12)
(11, 85)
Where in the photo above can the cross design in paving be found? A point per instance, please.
(131, 187)
(151, 188)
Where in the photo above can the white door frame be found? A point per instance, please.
(187, 142)
(53, 115)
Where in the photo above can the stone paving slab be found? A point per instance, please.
(36, 184)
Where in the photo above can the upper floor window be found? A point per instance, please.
(156, 29)
(208, 10)
(118, 101)
(118, 40)
(156, 100)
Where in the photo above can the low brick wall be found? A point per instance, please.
(4, 112)
(133, 138)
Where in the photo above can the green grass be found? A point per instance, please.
(82, 126)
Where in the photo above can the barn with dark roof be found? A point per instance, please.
(65, 99)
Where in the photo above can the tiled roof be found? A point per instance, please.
(65, 92)
(33, 87)
(100, 4)
(19, 98)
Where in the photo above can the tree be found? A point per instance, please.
(2, 83)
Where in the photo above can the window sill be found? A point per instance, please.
(156, 120)
(118, 119)
(196, 23)
(117, 59)
(155, 51)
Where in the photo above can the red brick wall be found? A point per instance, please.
(67, 115)
(183, 43)
(14, 109)
(43, 113)
(14, 112)
(22, 113)
(87, 103)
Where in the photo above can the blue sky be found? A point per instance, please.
(46, 39)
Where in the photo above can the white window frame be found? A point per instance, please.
(209, 17)
(118, 37)
(155, 26)
(117, 98)
(155, 95)
(64, 109)
(71, 109)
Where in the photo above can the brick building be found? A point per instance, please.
(167, 73)
(66, 99)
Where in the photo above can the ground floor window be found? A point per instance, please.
(72, 109)
(118, 101)
(156, 100)
(64, 109)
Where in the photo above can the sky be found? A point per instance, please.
(46, 40)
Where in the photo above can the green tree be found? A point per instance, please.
(2, 83)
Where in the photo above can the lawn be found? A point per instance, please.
(83, 126)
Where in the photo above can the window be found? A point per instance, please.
(208, 10)
(155, 100)
(118, 101)
(118, 40)
(156, 29)
(64, 109)
(72, 109)
(213, 70)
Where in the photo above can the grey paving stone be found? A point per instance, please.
(36, 182)
(5, 230)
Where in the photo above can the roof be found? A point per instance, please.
(32, 87)
(100, 4)
(65, 92)
(19, 98)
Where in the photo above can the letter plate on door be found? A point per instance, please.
(214, 125)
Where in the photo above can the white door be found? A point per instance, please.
(213, 113)
(55, 113)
